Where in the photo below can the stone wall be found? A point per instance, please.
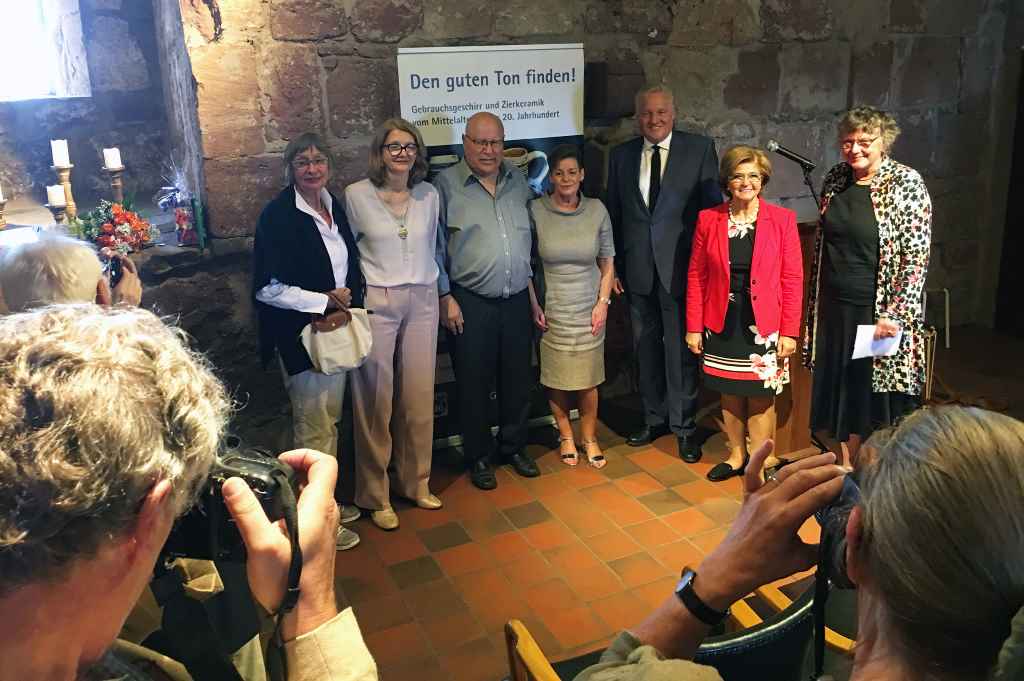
(743, 71)
(125, 110)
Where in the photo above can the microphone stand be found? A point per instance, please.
(810, 185)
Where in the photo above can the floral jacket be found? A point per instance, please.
(903, 209)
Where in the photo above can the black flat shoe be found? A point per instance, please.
(524, 465)
(482, 475)
(724, 471)
(646, 435)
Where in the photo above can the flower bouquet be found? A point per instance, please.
(113, 226)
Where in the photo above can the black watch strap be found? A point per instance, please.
(693, 603)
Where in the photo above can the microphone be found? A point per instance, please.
(806, 163)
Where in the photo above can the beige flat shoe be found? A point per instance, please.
(385, 519)
(429, 502)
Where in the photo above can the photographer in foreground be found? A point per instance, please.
(89, 493)
(60, 269)
(934, 546)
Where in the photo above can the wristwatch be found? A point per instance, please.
(693, 603)
(606, 301)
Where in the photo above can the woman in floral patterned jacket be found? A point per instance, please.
(869, 268)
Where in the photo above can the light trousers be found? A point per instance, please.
(316, 408)
(393, 396)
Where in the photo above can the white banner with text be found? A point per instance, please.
(536, 90)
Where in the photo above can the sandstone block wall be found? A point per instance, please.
(744, 71)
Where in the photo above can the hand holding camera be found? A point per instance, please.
(269, 549)
(763, 545)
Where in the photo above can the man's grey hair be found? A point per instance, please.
(96, 406)
(653, 90)
(54, 269)
(943, 538)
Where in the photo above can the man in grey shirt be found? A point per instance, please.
(485, 239)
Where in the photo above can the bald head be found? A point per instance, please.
(484, 143)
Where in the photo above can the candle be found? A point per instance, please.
(112, 158)
(61, 159)
(55, 195)
(1, 192)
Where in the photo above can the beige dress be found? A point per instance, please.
(569, 244)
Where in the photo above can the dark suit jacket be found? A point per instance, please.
(289, 248)
(661, 242)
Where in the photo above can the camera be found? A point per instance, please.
(113, 269)
(832, 519)
(208, 531)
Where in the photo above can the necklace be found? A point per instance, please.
(398, 207)
(741, 228)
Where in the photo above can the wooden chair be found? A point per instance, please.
(526, 660)
(735, 654)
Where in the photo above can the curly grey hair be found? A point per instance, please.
(943, 540)
(870, 120)
(96, 406)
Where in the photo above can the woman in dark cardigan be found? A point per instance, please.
(306, 271)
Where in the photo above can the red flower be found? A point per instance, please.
(107, 228)
(106, 240)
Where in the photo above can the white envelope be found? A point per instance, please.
(865, 344)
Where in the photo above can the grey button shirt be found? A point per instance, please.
(488, 239)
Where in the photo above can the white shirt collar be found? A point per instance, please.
(664, 144)
(325, 199)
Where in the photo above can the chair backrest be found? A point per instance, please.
(526, 661)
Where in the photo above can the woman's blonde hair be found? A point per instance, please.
(96, 406)
(943, 539)
(736, 156)
(377, 171)
(869, 119)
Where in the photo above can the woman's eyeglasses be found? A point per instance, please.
(303, 163)
(395, 149)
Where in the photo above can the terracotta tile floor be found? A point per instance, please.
(577, 554)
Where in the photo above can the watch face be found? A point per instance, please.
(685, 579)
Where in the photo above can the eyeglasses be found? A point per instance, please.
(484, 144)
(753, 178)
(303, 163)
(863, 143)
(396, 149)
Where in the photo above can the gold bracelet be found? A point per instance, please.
(606, 301)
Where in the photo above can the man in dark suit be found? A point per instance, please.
(657, 183)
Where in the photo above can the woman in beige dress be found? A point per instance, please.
(574, 242)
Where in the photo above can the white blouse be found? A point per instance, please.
(388, 259)
(294, 298)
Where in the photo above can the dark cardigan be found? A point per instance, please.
(289, 248)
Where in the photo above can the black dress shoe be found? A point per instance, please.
(646, 435)
(689, 450)
(524, 465)
(482, 475)
(723, 471)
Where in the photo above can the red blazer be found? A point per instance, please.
(776, 273)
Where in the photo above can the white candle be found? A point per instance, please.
(55, 195)
(1, 192)
(61, 159)
(112, 158)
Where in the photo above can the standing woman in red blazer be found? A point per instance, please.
(743, 302)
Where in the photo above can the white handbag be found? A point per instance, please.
(341, 349)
